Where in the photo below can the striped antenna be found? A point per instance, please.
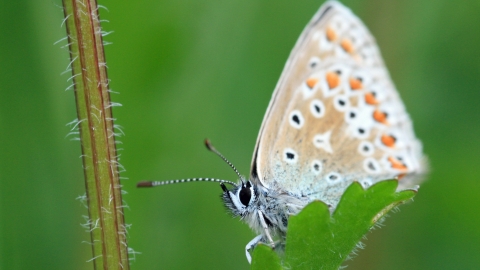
(211, 148)
(169, 182)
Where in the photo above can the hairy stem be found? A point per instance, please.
(97, 135)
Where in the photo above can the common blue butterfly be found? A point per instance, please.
(334, 118)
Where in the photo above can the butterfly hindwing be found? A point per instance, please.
(335, 116)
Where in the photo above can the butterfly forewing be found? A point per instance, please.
(335, 116)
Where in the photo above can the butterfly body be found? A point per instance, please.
(334, 118)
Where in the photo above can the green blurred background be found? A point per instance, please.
(187, 70)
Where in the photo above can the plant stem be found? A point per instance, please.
(97, 135)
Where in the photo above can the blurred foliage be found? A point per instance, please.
(187, 70)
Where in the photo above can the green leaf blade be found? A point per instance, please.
(303, 241)
(265, 258)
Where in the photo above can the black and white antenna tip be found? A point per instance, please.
(210, 147)
(145, 184)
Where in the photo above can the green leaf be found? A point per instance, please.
(318, 240)
(264, 257)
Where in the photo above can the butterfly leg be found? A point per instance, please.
(265, 228)
(251, 245)
(257, 239)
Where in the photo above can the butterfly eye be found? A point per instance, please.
(245, 194)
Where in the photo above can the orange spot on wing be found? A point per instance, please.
(370, 99)
(347, 45)
(333, 79)
(311, 82)
(380, 117)
(355, 84)
(388, 140)
(331, 35)
(400, 176)
(396, 164)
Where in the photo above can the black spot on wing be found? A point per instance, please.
(296, 119)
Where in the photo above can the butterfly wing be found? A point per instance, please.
(335, 116)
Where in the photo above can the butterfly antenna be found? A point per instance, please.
(169, 182)
(211, 148)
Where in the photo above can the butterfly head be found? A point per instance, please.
(241, 198)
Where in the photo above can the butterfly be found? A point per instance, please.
(335, 117)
